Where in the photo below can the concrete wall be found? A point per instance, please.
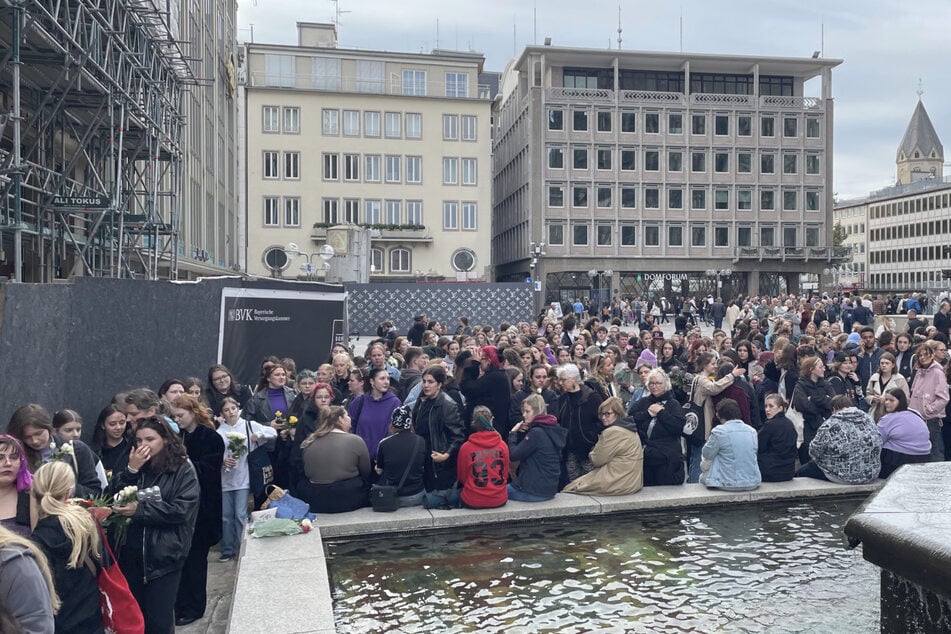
(77, 345)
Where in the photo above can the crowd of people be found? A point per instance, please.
(466, 415)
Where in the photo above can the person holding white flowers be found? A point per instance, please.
(241, 436)
(159, 536)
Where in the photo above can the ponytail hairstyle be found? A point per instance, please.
(52, 484)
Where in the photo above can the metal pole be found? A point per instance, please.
(17, 158)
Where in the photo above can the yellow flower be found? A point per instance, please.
(278, 413)
(293, 420)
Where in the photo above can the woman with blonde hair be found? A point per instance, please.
(68, 537)
(26, 585)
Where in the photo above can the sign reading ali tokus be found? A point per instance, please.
(82, 202)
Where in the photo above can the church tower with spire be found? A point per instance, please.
(920, 154)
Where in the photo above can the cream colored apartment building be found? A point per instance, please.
(399, 142)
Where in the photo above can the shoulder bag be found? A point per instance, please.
(260, 471)
(695, 428)
(795, 417)
(385, 497)
(120, 611)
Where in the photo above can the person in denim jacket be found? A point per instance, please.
(729, 456)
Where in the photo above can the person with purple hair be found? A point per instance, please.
(15, 482)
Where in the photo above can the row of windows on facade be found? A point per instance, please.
(905, 278)
(915, 254)
(674, 81)
(455, 214)
(325, 74)
(605, 235)
(722, 123)
(604, 198)
(604, 160)
(915, 205)
(373, 123)
(377, 168)
(911, 230)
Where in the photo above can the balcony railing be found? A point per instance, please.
(351, 84)
(660, 98)
(384, 233)
(830, 254)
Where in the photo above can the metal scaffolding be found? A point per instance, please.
(91, 122)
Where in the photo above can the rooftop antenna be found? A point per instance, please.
(619, 26)
(338, 12)
(514, 35)
(535, 23)
(920, 91)
(681, 27)
(437, 34)
(822, 37)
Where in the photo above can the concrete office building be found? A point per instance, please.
(662, 173)
(399, 142)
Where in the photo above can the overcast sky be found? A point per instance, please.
(886, 45)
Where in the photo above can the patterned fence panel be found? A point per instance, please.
(489, 304)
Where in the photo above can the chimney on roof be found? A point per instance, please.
(547, 41)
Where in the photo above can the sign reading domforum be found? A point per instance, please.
(257, 323)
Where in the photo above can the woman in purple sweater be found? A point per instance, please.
(904, 433)
(371, 411)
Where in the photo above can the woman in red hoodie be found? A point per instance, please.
(482, 465)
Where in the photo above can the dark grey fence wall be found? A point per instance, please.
(370, 304)
(76, 345)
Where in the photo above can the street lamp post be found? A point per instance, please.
(837, 273)
(326, 252)
(537, 251)
(718, 273)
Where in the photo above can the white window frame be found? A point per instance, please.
(351, 211)
(373, 211)
(291, 211)
(457, 85)
(291, 120)
(351, 123)
(450, 170)
(330, 122)
(377, 257)
(330, 166)
(351, 167)
(470, 171)
(272, 211)
(393, 168)
(413, 125)
(414, 212)
(397, 257)
(470, 215)
(372, 168)
(372, 124)
(414, 82)
(414, 169)
(450, 215)
(271, 165)
(270, 119)
(393, 125)
(450, 127)
(330, 208)
(470, 127)
(393, 210)
(292, 165)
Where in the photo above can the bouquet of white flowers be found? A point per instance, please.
(237, 445)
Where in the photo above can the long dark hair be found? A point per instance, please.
(173, 455)
(99, 433)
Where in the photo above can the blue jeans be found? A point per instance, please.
(693, 463)
(412, 500)
(234, 515)
(522, 496)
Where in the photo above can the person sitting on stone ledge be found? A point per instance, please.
(777, 442)
(618, 456)
(729, 455)
(847, 448)
(904, 433)
(535, 445)
(482, 466)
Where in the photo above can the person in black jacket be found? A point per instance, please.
(660, 423)
(536, 384)
(813, 399)
(159, 537)
(536, 444)
(221, 385)
(776, 454)
(436, 419)
(492, 389)
(578, 413)
(68, 537)
(33, 426)
(403, 452)
(206, 450)
(415, 332)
